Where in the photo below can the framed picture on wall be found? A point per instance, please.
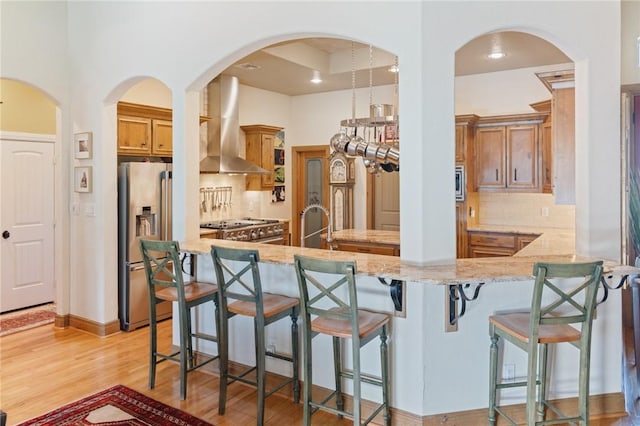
(83, 179)
(82, 145)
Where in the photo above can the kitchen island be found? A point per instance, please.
(433, 376)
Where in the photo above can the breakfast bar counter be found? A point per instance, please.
(433, 377)
(459, 271)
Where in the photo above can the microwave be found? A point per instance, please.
(460, 183)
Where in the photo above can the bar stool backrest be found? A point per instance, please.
(571, 305)
(240, 280)
(161, 258)
(321, 282)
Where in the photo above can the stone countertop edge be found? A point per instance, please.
(461, 271)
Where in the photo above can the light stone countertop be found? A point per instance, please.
(460, 271)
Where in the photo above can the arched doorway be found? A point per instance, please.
(507, 138)
(276, 90)
(27, 188)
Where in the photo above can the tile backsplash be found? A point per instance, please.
(243, 203)
(524, 209)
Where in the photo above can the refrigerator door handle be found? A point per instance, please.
(165, 203)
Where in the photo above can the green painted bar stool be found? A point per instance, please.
(241, 293)
(321, 282)
(166, 283)
(548, 324)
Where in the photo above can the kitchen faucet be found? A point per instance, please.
(329, 228)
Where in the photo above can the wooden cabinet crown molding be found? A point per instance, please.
(467, 119)
(512, 119)
(542, 106)
(149, 111)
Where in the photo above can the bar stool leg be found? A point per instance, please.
(542, 377)
(260, 369)
(493, 376)
(532, 383)
(223, 347)
(185, 345)
(357, 398)
(384, 366)
(306, 341)
(337, 367)
(295, 355)
(583, 393)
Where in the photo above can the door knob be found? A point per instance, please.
(6, 234)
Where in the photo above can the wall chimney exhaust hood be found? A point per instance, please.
(223, 130)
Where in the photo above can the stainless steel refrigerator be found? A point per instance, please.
(144, 212)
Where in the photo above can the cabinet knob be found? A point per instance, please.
(496, 175)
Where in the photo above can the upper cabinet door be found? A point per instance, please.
(162, 138)
(522, 156)
(134, 135)
(490, 157)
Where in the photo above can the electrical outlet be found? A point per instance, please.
(544, 211)
(508, 372)
(271, 347)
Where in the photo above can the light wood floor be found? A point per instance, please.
(44, 368)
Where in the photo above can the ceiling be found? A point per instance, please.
(288, 67)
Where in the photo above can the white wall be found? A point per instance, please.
(630, 40)
(503, 92)
(149, 92)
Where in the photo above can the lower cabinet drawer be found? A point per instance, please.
(489, 252)
(363, 248)
(492, 240)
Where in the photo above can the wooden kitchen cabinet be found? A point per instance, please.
(134, 135)
(369, 248)
(546, 146)
(524, 240)
(461, 230)
(507, 153)
(162, 138)
(464, 137)
(144, 130)
(563, 179)
(260, 151)
(492, 244)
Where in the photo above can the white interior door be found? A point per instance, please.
(26, 223)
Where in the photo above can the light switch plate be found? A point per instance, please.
(90, 209)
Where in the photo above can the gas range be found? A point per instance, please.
(247, 229)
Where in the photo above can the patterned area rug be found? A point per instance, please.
(25, 319)
(117, 406)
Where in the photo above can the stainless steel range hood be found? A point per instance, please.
(223, 130)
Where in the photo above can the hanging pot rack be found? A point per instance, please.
(377, 154)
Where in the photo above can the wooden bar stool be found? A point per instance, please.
(548, 324)
(166, 283)
(241, 293)
(340, 318)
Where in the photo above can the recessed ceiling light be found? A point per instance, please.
(496, 55)
(248, 66)
(393, 68)
(316, 78)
